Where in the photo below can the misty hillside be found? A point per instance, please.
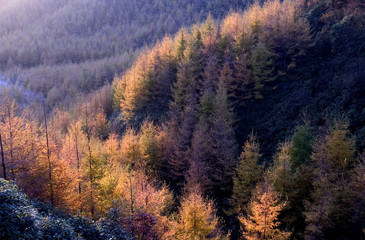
(64, 48)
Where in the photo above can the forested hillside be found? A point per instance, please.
(249, 127)
(67, 48)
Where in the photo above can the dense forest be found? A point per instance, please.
(62, 49)
(249, 124)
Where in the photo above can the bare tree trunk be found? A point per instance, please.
(90, 166)
(91, 182)
(48, 155)
(78, 167)
(3, 158)
(131, 199)
(131, 192)
(11, 143)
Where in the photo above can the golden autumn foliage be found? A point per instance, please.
(73, 151)
(145, 80)
(264, 209)
(279, 26)
(341, 146)
(134, 193)
(131, 152)
(165, 161)
(16, 134)
(150, 145)
(196, 218)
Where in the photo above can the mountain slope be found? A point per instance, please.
(52, 38)
(300, 48)
(287, 76)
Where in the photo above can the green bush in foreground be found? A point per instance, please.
(21, 218)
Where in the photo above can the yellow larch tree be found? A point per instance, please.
(262, 221)
(16, 139)
(197, 218)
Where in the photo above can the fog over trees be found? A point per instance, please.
(67, 48)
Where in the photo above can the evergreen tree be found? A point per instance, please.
(182, 88)
(341, 146)
(150, 149)
(282, 170)
(226, 76)
(248, 174)
(207, 88)
(357, 191)
(210, 76)
(301, 148)
(293, 184)
(223, 144)
(179, 135)
(94, 162)
(194, 55)
(262, 69)
(333, 159)
(224, 48)
(206, 106)
(318, 212)
(243, 44)
(209, 27)
(209, 33)
(292, 177)
(180, 128)
(256, 31)
(181, 45)
(200, 155)
(244, 84)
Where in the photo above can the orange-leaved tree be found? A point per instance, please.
(264, 209)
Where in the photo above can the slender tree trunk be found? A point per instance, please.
(131, 192)
(78, 167)
(131, 199)
(48, 156)
(91, 183)
(11, 143)
(2, 158)
(78, 162)
(12, 158)
(90, 166)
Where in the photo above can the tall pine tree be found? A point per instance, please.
(262, 70)
(223, 144)
(330, 205)
(248, 174)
